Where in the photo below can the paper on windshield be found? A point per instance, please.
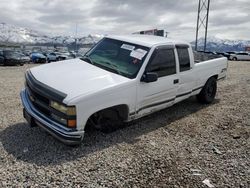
(138, 53)
(128, 47)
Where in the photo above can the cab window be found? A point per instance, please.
(184, 59)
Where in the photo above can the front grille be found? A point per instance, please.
(42, 110)
(40, 102)
(40, 96)
(37, 95)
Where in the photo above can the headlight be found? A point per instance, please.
(68, 110)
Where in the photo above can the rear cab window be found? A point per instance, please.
(184, 58)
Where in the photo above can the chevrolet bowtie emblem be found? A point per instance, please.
(32, 98)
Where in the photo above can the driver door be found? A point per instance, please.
(161, 93)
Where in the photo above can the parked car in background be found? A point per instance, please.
(71, 55)
(51, 57)
(68, 55)
(208, 52)
(240, 56)
(56, 56)
(27, 52)
(24, 58)
(225, 54)
(1, 57)
(10, 57)
(221, 54)
(37, 57)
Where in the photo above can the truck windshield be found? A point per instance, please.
(116, 56)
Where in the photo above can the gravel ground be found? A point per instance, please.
(178, 147)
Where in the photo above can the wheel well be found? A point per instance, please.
(122, 111)
(214, 76)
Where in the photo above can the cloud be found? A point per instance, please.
(228, 18)
(62, 18)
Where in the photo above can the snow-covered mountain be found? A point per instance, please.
(13, 34)
(222, 45)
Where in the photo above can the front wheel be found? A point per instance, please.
(107, 121)
(235, 59)
(208, 92)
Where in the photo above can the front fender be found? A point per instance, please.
(87, 106)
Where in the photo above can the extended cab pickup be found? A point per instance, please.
(120, 79)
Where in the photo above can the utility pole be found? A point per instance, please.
(76, 38)
(202, 22)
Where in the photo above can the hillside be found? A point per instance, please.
(13, 34)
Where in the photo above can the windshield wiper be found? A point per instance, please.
(115, 68)
(88, 59)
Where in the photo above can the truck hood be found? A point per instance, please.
(76, 78)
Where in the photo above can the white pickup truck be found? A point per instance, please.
(120, 79)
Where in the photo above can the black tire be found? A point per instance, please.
(208, 92)
(107, 121)
(21, 64)
(32, 124)
(234, 59)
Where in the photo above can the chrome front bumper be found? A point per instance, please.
(62, 133)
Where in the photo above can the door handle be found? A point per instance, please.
(176, 81)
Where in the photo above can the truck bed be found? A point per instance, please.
(201, 56)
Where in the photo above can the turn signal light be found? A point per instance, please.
(72, 123)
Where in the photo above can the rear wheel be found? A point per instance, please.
(235, 59)
(208, 92)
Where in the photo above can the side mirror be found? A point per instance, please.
(149, 77)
